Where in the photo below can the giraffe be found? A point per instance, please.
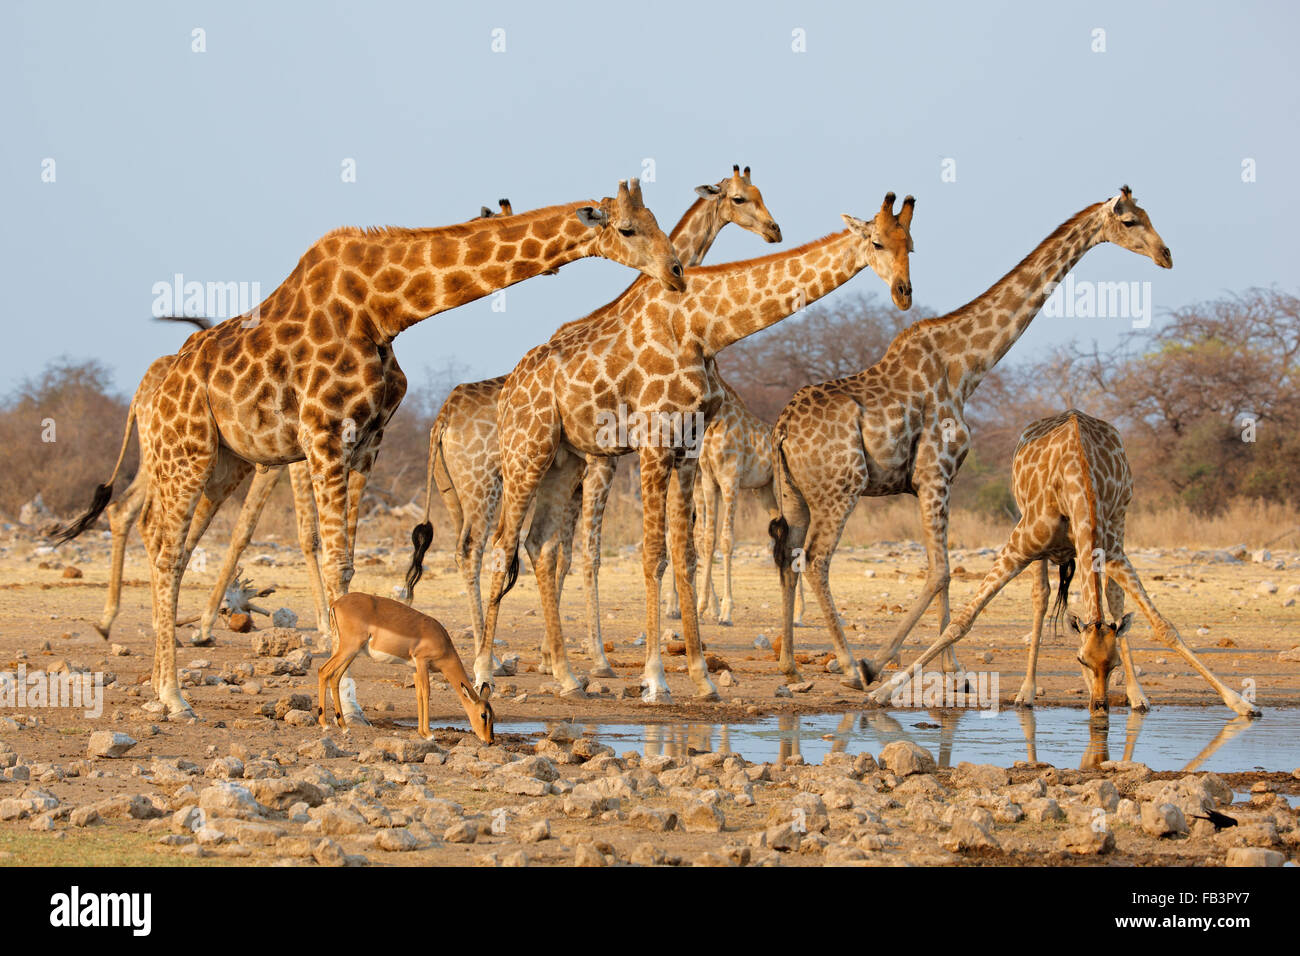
(736, 453)
(311, 373)
(464, 455)
(1073, 486)
(639, 377)
(124, 512)
(898, 427)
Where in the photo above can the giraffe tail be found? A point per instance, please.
(1062, 593)
(779, 528)
(61, 534)
(422, 533)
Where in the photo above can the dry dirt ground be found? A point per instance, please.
(241, 784)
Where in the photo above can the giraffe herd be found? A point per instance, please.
(309, 381)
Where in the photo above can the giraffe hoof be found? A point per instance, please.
(356, 719)
(855, 683)
(103, 631)
(604, 671)
(711, 696)
(574, 693)
(867, 674)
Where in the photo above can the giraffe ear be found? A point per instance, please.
(707, 192)
(1125, 623)
(1075, 624)
(860, 226)
(593, 218)
(485, 213)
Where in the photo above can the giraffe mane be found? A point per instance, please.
(792, 253)
(455, 229)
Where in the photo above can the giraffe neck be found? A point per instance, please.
(397, 277)
(696, 231)
(974, 338)
(738, 299)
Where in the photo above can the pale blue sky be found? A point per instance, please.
(225, 165)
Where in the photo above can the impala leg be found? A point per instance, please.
(422, 697)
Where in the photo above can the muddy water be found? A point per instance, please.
(1167, 738)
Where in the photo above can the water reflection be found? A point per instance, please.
(1168, 738)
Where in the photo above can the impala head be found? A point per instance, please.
(479, 711)
(1098, 655)
(886, 246)
(739, 201)
(1127, 224)
(628, 233)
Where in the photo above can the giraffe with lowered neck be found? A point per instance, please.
(898, 427)
(1073, 486)
(464, 454)
(636, 378)
(311, 374)
(124, 512)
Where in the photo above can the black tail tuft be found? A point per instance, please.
(61, 535)
(421, 538)
(512, 575)
(1062, 593)
(779, 529)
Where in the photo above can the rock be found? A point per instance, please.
(647, 818)
(283, 617)
(226, 799)
(1262, 556)
(1266, 587)
(323, 749)
(1164, 819)
(328, 853)
(902, 757)
(282, 793)
(1254, 856)
(108, 743)
(762, 643)
(537, 832)
(85, 817)
(1293, 655)
(299, 718)
(784, 837)
(783, 691)
(289, 702)
(587, 855)
(725, 679)
(240, 623)
(968, 834)
(72, 571)
(700, 817)
(980, 775)
(464, 832)
(647, 854)
(128, 806)
(252, 833)
(1086, 841)
(801, 688)
(396, 840)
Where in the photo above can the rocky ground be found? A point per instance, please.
(253, 780)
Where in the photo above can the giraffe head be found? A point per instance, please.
(739, 201)
(1098, 655)
(626, 231)
(886, 246)
(1127, 224)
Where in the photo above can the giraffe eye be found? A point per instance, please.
(877, 245)
(627, 232)
(1129, 223)
(738, 200)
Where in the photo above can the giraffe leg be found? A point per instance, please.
(1120, 570)
(165, 521)
(826, 524)
(1011, 561)
(122, 514)
(932, 497)
(794, 512)
(655, 467)
(304, 509)
(1042, 594)
(259, 491)
(329, 474)
(681, 540)
(725, 514)
(767, 496)
(707, 495)
(1137, 699)
(596, 484)
(521, 474)
(554, 493)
